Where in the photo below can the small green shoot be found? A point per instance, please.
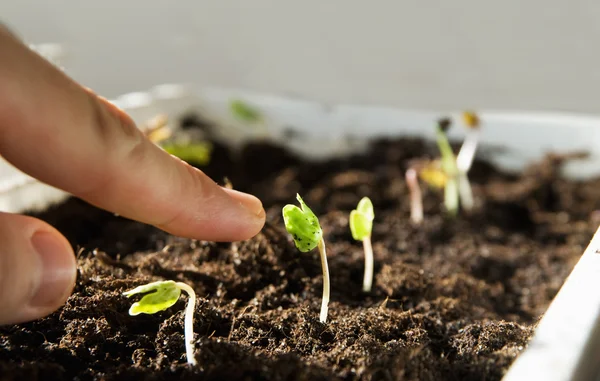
(451, 195)
(248, 114)
(161, 295)
(245, 112)
(159, 132)
(194, 153)
(306, 231)
(361, 224)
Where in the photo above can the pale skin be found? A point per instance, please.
(63, 134)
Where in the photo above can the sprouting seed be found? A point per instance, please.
(361, 225)
(304, 227)
(431, 172)
(227, 183)
(162, 295)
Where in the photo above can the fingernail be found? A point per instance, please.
(249, 202)
(58, 269)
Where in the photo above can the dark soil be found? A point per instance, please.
(454, 299)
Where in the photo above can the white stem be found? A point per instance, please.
(189, 322)
(368, 278)
(416, 198)
(465, 191)
(325, 301)
(464, 159)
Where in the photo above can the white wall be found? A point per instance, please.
(515, 54)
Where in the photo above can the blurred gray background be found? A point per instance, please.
(512, 54)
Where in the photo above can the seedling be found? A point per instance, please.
(416, 198)
(198, 153)
(162, 295)
(361, 224)
(244, 111)
(465, 157)
(159, 132)
(248, 114)
(448, 161)
(306, 231)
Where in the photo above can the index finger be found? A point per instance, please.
(56, 131)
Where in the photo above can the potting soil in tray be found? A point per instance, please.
(453, 299)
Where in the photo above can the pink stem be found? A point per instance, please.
(416, 199)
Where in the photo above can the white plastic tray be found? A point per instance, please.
(567, 341)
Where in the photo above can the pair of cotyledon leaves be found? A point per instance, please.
(159, 296)
(306, 231)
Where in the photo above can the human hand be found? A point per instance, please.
(64, 135)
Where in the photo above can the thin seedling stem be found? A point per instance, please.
(464, 160)
(325, 301)
(451, 192)
(368, 278)
(416, 198)
(189, 322)
(451, 195)
(465, 190)
(466, 155)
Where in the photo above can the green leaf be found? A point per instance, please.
(245, 112)
(195, 153)
(159, 296)
(361, 219)
(451, 195)
(447, 155)
(303, 225)
(365, 206)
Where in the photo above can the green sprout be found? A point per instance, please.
(448, 161)
(306, 231)
(198, 153)
(244, 111)
(162, 295)
(361, 224)
(159, 132)
(248, 114)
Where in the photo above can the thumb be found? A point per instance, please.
(37, 269)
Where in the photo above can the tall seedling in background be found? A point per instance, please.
(361, 225)
(465, 157)
(448, 161)
(249, 115)
(306, 231)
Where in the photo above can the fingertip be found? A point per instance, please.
(37, 269)
(59, 270)
(251, 203)
(252, 220)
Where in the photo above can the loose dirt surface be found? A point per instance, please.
(453, 299)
